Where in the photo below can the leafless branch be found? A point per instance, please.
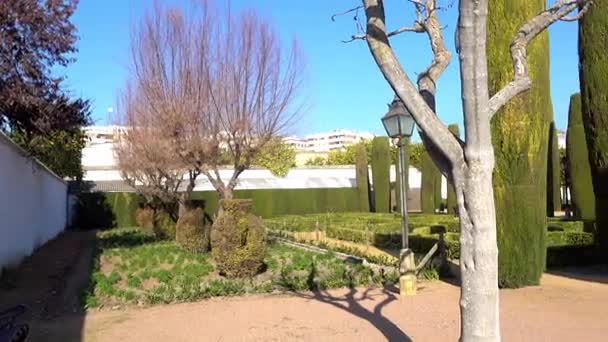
(354, 9)
(218, 86)
(417, 28)
(422, 111)
(521, 78)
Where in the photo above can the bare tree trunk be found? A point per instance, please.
(479, 299)
(475, 195)
(468, 163)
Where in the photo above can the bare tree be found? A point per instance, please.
(219, 87)
(146, 157)
(253, 87)
(468, 163)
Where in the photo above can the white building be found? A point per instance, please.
(328, 141)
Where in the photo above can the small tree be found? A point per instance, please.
(276, 157)
(469, 164)
(221, 86)
(381, 166)
(593, 66)
(581, 183)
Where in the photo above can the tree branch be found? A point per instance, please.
(521, 77)
(424, 115)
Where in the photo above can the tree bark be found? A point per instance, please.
(479, 300)
(479, 252)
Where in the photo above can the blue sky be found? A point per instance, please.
(344, 87)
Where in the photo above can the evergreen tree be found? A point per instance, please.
(381, 163)
(554, 201)
(593, 37)
(581, 185)
(520, 139)
(451, 201)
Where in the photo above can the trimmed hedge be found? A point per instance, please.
(381, 165)
(106, 210)
(451, 201)
(566, 240)
(554, 201)
(427, 188)
(581, 183)
(520, 140)
(593, 38)
(397, 184)
(362, 176)
(117, 209)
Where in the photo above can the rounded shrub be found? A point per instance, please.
(192, 230)
(144, 217)
(239, 239)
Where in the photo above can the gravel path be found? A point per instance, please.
(562, 309)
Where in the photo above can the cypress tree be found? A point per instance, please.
(381, 163)
(593, 39)
(427, 188)
(438, 197)
(519, 135)
(581, 185)
(406, 152)
(451, 201)
(362, 176)
(554, 201)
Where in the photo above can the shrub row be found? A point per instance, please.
(566, 240)
(117, 209)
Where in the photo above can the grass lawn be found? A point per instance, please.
(133, 269)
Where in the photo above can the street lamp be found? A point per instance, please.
(399, 124)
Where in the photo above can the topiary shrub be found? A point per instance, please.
(554, 202)
(381, 164)
(520, 140)
(362, 176)
(593, 40)
(144, 217)
(238, 239)
(427, 188)
(451, 201)
(581, 187)
(192, 230)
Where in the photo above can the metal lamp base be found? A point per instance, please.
(407, 271)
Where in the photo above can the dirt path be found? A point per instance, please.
(562, 309)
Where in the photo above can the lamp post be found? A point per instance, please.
(399, 124)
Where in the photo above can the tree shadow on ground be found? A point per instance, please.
(595, 273)
(352, 304)
(50, 283)
(124, 239)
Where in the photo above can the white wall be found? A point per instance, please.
(297, 178)
(32, 203)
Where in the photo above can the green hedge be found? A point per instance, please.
(381, 164)
(520, 140)
(593, 38)
(581, 183)
(106, 210)
(427, 187)
(362, 177)
(451, 200)
(567, 241)
(554, 202)
(117, 209)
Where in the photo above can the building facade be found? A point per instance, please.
(327, 141)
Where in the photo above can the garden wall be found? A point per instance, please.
(117, 209)
(33, 203)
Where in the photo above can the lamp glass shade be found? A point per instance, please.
(398, 122)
